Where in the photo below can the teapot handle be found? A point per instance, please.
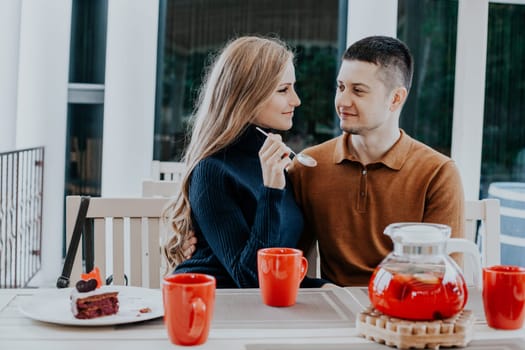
(461, 245)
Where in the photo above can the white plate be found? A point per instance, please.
(55, 307)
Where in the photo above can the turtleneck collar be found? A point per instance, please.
(251, 140)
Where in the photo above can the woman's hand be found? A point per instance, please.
(189, 245)
(273, 156)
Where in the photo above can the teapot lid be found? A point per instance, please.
(418, 237)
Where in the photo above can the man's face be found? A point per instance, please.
(362, 100)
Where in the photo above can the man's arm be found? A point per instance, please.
(445, 203)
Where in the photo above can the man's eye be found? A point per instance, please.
(340, 87)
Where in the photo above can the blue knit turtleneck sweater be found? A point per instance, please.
(234, 214)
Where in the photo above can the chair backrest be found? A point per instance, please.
(127, 234)
(482, 225)
(314, 261)
(481, 238)
(158, 188)
(167, 171)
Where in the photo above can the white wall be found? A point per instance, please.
(42, 109)
(9, 40)
(131, 60)
(469, 92)
(371, 17)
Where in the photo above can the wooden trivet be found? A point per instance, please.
(405, 334)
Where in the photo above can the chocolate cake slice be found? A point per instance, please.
(87, 301)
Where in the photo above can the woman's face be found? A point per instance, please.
(277, 112)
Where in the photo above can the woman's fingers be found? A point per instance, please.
(274, 158)
(189, 245)
(188, 253)
(273, 149)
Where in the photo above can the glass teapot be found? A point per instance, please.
(418, 280)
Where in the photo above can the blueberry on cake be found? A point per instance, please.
(88, 301)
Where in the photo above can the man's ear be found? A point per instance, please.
(399, 95)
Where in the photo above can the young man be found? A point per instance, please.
(374, 174)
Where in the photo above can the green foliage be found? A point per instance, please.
(503, 131)
(429, 28)
(315, 73)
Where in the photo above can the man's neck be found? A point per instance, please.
(369, 148)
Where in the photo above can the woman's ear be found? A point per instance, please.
(399, 95)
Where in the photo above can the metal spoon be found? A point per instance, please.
(304, 159)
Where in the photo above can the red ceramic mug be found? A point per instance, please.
(504, 296)
(281, 271)
(188, 300)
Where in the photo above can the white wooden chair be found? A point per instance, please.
(167, 171)
(127, 234)
(486, 211)
(485, 215)
(314, 261)
(158, 188)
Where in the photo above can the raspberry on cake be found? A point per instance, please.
(88, 301)
(95, 274)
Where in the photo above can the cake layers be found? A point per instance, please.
(100, 302)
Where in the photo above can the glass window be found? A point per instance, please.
(190, 31)
(503, 155)
(84, 165)
(85, 109)
(429, 28)
(87, 63)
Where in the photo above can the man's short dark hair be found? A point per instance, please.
(390, 54)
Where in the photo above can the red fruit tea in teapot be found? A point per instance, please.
(418, 280)
(417, 296)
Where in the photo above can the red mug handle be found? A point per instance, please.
(199, 317)
(304, 267)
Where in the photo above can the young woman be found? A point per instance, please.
(235, 196)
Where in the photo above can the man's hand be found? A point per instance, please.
(189, 245)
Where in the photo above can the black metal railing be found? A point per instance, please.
(21, 198)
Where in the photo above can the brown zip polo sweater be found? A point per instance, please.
(347, 206)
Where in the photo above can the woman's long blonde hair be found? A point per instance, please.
(242, 78)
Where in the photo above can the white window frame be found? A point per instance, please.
(469, 93)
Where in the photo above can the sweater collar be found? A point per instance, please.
(250, 140)
(394, 158)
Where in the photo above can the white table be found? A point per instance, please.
(321, 319)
